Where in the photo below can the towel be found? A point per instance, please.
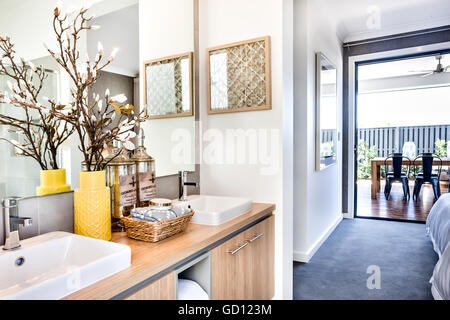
(190, 290)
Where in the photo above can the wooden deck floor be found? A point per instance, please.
(395, 207)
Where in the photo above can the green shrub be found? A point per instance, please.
(441, 148)
(365, 156)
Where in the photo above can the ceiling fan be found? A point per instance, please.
(439, 68)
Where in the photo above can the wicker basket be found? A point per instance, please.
(155, 231)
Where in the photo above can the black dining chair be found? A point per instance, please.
(427, 175)
(397, 175)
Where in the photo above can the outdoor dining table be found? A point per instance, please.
(376, 164)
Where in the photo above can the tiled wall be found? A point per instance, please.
(55, 212)
(49, 213)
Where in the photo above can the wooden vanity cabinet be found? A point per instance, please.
(161, 289)
(243, 267)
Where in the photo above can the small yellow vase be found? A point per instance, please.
(52, 182)
(92, 202)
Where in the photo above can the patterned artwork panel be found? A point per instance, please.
(238, 76)
(168, 86)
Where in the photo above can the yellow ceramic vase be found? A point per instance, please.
(92, 202)
(52, 182)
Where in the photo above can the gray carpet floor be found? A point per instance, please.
(338, 271)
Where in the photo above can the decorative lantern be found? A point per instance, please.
(121, 178)
(145, 174)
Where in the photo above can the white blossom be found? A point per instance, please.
(100, 48)
(129, 145)
(58, 7)
(11, 86)
(120, 98)
(132, 135)
(85, 7)
(95, 27)
(17, 146)
(32, 66)
(113, 54)
(100, 106)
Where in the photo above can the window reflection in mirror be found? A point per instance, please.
(326, 113)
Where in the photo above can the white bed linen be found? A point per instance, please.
(438, 224)
(440, 281)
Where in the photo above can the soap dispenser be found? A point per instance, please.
(121, 178)
(145, 173)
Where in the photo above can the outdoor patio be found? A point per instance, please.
(375, 144)
(395, 207)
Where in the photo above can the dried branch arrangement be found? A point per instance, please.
(92, 117)
(40, 132)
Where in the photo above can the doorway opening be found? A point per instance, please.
(402, 119)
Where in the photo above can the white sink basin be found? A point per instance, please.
(58, 264)
(214, 211)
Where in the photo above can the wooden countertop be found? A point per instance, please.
(149, 259)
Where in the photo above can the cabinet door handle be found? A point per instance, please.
(256, 238)
(238, 249)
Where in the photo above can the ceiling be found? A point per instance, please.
(353, 17)
(401, 68)
(402, 75)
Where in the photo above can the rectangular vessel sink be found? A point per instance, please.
(214, 210)
(55, 265)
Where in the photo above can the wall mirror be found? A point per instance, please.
(169, 86)
(138, 40)
(326, 112)
(239, 77)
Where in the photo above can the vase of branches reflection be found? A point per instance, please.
(97, 121)
(52, 182)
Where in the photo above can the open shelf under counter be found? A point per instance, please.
(153, 261)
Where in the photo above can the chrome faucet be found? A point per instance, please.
(10, 215)
(183, 184)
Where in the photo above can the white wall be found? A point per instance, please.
(223, 22)
(29, 24)
(317, 194)
(166, 28)
(119, 29)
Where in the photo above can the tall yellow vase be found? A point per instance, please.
(92, 202)
(52, 182)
